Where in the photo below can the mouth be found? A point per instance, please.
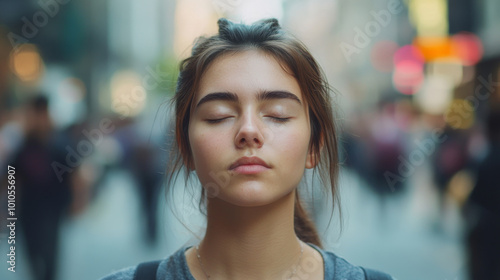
(249, 165)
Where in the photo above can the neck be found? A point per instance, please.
(250, 242)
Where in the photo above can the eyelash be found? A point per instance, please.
(276, 119)
(280, 120)
(215, 120)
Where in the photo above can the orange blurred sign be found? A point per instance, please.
(433, 48)
(464, 46)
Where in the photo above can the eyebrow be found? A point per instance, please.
(264, 95)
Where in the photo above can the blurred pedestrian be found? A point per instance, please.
(484, 210)
(43, 198)
(148, 181)
(142, 162)
(451, 157)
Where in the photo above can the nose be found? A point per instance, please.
(249, 134)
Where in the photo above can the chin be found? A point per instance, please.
(247, 202)
(252, 195)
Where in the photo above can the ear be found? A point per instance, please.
(312, 159)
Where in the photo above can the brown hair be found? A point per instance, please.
(265, 35)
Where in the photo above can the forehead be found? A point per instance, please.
(246, 73)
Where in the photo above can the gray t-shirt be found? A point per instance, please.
(175, 267)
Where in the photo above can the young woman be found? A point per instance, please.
(253, 111)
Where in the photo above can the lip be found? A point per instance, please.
(249, 165)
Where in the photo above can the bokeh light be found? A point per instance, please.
(467, 47)
(435, 95)
(430, 17)
(433, 48)
(449, 69)
(460, 114)
(128, 96)
(26, 63)
(72, 89)
(408, 73)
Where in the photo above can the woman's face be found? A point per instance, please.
(248, 107)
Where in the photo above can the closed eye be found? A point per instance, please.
(281, 120)
(276, 119)
(216, 120)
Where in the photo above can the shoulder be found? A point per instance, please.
(172, 267)
(338, 268)
(123, 274)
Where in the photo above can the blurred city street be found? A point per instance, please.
(86, 127)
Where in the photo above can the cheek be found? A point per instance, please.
(292, 148)
(207, 147)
